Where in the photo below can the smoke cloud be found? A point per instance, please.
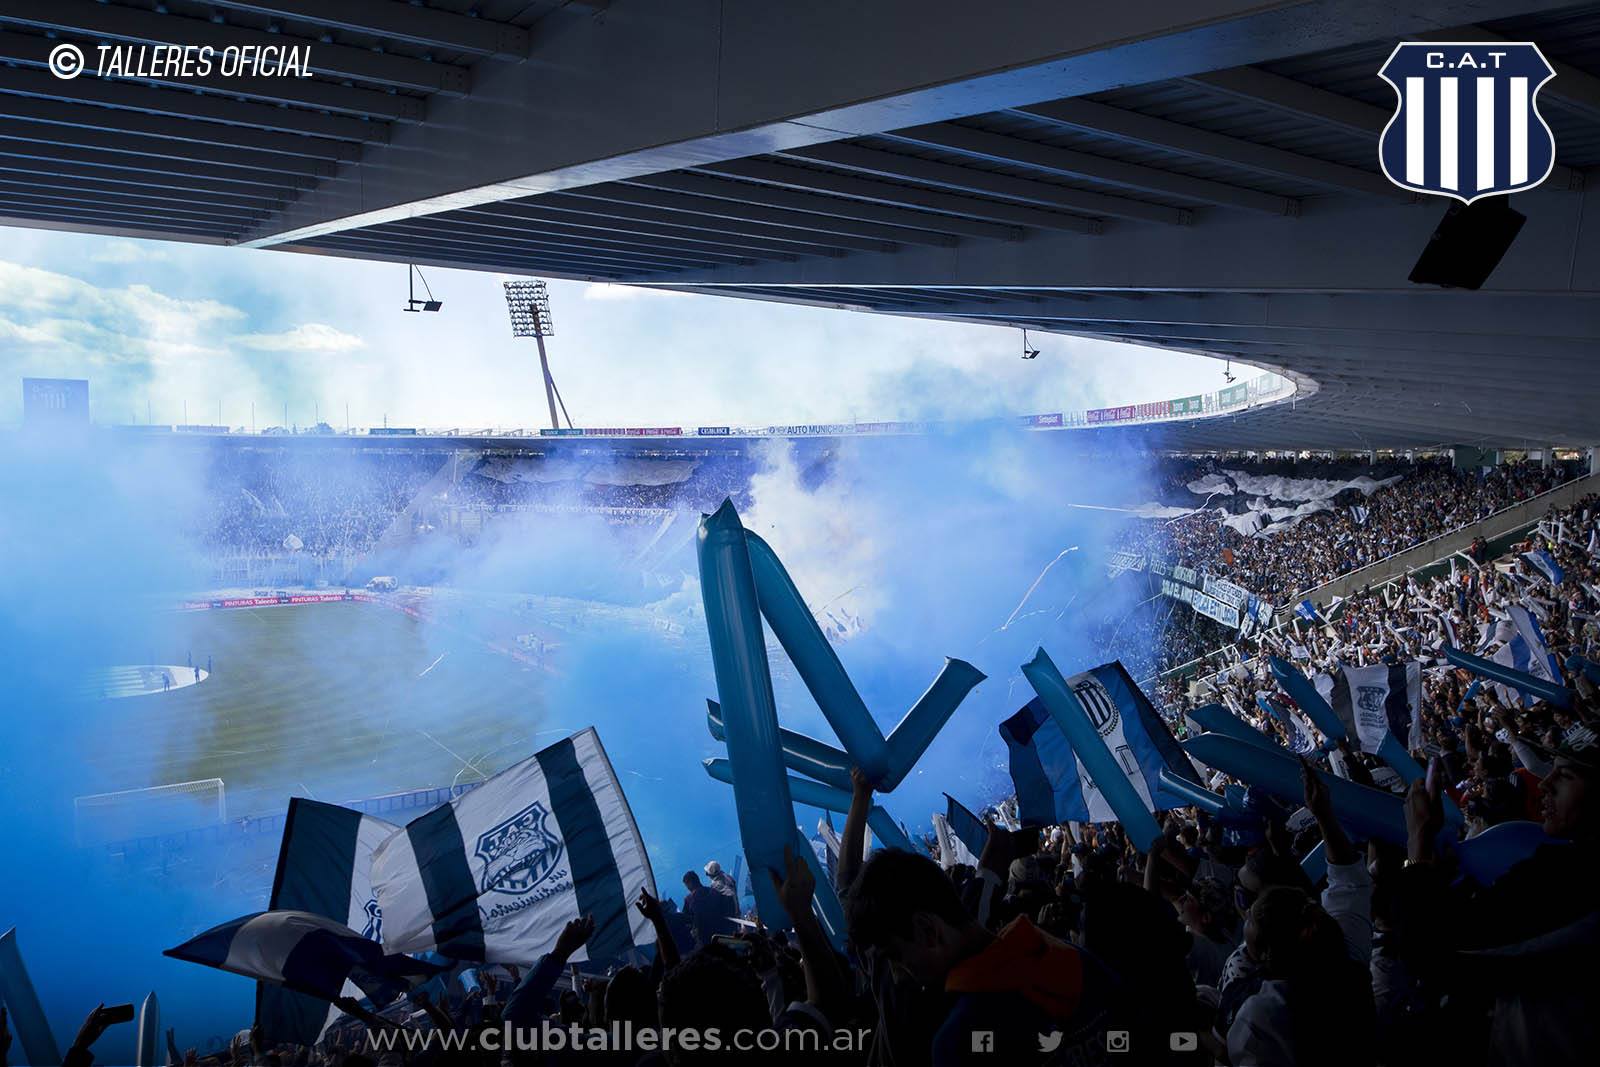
(909, 549)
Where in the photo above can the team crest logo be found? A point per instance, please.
(1468, 124)
(373, 931)
(1097, 703)
(519, 853)
(1371, 698)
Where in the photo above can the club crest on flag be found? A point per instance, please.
(1467, 124)
(1371, 698)
(373, 931)
(519, 853)
(1097, 703)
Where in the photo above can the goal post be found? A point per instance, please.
(101, 818)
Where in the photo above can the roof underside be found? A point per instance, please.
(1174, 197)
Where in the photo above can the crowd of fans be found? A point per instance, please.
(701, 482)
(270, 502)
(1068, 945)
(1290, 557)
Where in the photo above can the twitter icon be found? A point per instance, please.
(1050, 1042)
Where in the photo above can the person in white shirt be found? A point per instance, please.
(1315, 1006)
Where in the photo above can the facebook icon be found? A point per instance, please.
(983, 1040)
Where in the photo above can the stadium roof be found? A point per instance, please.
(1199, 174)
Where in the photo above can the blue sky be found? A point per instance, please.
(155, 326)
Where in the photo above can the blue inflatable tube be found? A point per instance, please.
(744, 686)
(1306, 697)
(911, 738)
(1364, 812)
(814, 659)
(1499, 848)
(817, 795)
(800, 753)
(801, 790)
(1560, 696)
(1472, 691)
(824, 900)
(1194, 795)
(1587, 667)
(888, 832)
(1137, 821)
(1216, 719)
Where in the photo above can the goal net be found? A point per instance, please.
(100, 818)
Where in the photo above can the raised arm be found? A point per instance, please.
(666, 947)
(1335, 842)
(827, 987)
(527, 1000)
(852, 843)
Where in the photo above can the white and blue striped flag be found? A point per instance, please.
(325, 868)
(305, 952)
(1526, 652)
(1546, 565)
(1051, 782)
(495, 874)
(1377, 701)
(1307, 611)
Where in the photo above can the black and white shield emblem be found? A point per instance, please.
(1467, 124)
(519, 853)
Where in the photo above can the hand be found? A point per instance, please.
(574, 936)
(1424, 817)
(860, 784)
(1315, 791)
(761, 957)
(797, 886)
(648, 905)
(92, 1028)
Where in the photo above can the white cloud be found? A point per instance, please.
(309, 333)
(306, 337)
(126, 252)
(609, 291)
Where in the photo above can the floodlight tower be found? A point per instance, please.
(529, 305)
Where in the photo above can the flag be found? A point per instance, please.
(1051, 782)
(1359, 513)
(325, 868)
(1594, 542)
(966, 830)
(1546, 565)
(495, 874)
(26, 1020)
(305, 952)
(1376, 702)
(830, 843)
(1307, 611)
(1301, 738)
(1047, 776)
(1527, 651)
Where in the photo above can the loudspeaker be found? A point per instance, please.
(1469, 244)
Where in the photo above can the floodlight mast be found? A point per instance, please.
(529, 305)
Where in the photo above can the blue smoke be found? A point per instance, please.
(913, 548)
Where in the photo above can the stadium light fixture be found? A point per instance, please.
(528, 302)
(413, 272)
